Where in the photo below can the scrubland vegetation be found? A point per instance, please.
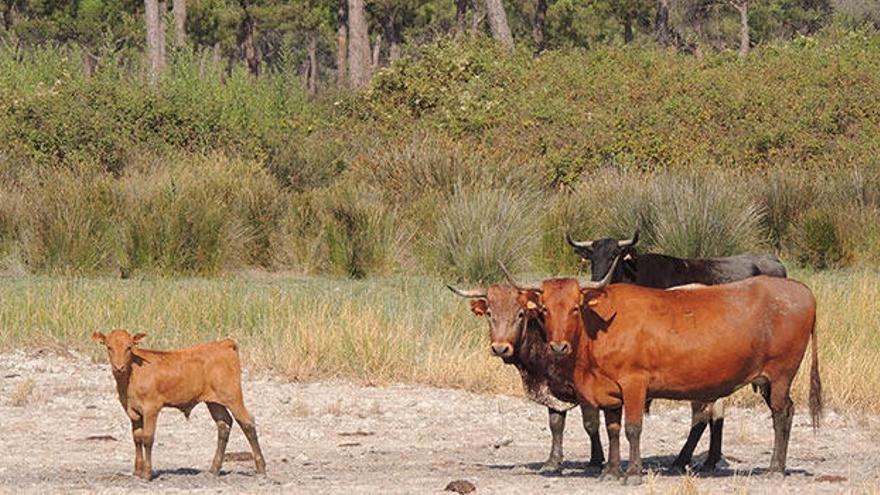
(455, 157)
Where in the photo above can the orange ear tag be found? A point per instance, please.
(531, 305)
(593, 302)
(627, 257)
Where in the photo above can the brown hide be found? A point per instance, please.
(147, 381)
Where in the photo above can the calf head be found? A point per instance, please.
(603, 252)
(503, 307)
(560, 304)
(120, 346)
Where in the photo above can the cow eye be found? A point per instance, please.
(521, 314)
(575, 309)
(489, 313)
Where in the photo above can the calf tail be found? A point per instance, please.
(815, 383)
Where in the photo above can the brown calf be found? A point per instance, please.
(632, 343)
(149, 380)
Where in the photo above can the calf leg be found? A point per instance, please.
(591, 424)
(224, 424)
(612, 427)
(557, 428)
(137, 432)
(246, 422)
(149, 432)
(783, 410)
(699, 419)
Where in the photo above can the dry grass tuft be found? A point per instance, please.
(22, 393)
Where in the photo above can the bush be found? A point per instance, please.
(818, 239)
(704, 215)
(480, 227)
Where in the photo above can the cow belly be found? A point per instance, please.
(537, 389)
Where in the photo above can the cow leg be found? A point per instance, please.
(612, 427)
(699, 419)
(716, 428)
(557, 428)
(137, 432)
(783, 410)
(246, 422)
(224, 425)
(634, 411)
(149, 433)
(590, 416)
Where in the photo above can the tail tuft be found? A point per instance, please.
(815, 384)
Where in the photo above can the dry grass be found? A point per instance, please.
(381, 330)
(22, 394)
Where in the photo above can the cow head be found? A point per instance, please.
(120, 346)
(501, 306)
(560, 304)
(603, 251)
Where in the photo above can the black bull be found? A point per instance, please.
(662, 272)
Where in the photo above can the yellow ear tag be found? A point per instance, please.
(531, 305)
(593, 302)
(627, 257)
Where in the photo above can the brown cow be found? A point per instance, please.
(631, 343)
(519, 341)
(149, 380)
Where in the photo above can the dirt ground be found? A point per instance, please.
(62, 430)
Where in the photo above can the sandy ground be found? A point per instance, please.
(62, 430)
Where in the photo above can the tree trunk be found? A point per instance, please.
(179, 8)
(342, 42)
(460, 17)
(247, 34)
(89, 63)
(8, 15)
(661, 24)
(358, 45)
(154, 54)
(538, 25)
(627, 28)
(478, 17)
(498, 23)
(392, 33)
(163, 9)
(744, 41)
(377, 48)
(313, 64)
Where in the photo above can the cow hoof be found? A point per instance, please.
(775, 475)
(552, 466)
(677, 470)
(632, 480)
(610, 473)
(145, 475)
(707, 468)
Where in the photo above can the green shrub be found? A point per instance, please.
(70, 222)
(479, 227)
(704, 215)
(818, 239)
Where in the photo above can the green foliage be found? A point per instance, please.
(819, 240)
(480, 227)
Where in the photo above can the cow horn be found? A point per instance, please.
(629, 242)
(534, 286)
(472, 293)
(601, 284)
(574, 243)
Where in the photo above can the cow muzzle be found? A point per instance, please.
(560, 348)
(502, 350)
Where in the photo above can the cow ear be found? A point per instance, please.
(99, 338)
(597, 301)
(137, 338)
(627, 254)
(479, 306)
(531, 301)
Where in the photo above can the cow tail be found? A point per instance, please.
(815, 383)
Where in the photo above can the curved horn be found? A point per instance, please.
(629, 242)
(601, 284)
(472, 293)
(574, 243)
(534, 286)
